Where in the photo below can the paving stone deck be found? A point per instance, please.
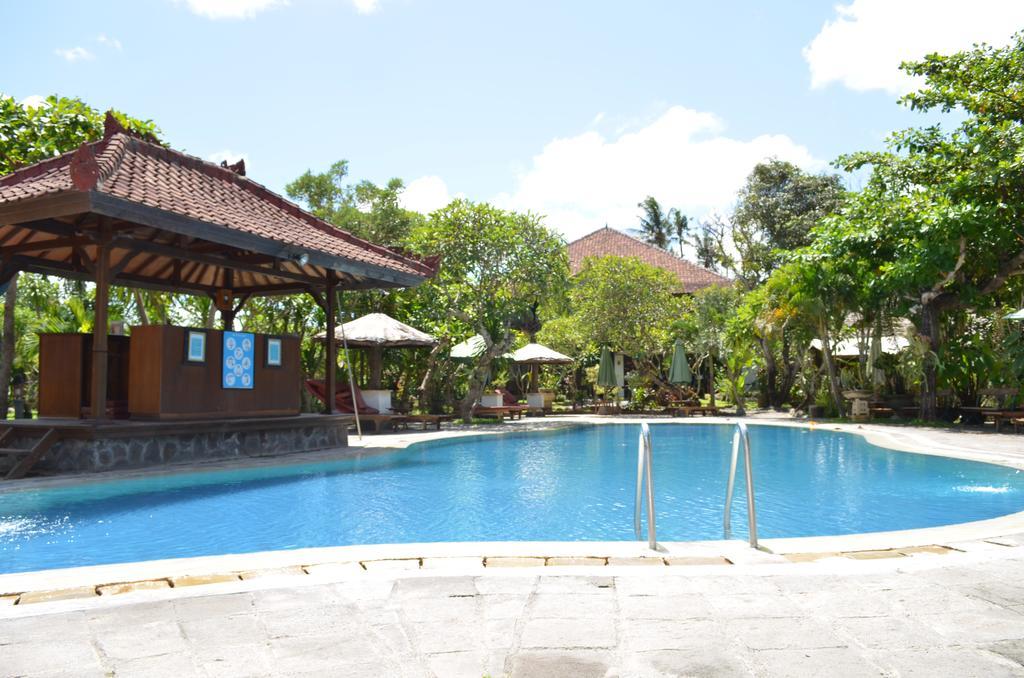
(964, 618)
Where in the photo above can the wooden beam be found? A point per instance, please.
(43, 245)
(45, 207)
(210, 259)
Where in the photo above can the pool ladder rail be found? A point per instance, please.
(645, 491)
(740, 436)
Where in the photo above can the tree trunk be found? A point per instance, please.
(211, 316)
(428, 376)
(830, 367)
(771, 372)
(711, 380)
(478, 376)
(7, 348)
(791, 367)
(475, 388)
(929, 382)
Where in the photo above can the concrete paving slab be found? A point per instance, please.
(569, 633)
(561, 663)
(831, 662)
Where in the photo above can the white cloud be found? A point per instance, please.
(426, 194)
(33, 101)
(682, 158)
(231, 9)
(109, 42)
(863, 46)
(229, 156)
(74, 54)
(366, 6)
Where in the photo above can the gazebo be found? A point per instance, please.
(125, 210)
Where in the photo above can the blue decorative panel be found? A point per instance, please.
(238, 360)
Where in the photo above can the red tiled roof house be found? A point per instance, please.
(610, 242)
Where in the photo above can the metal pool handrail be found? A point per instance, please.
(643, 468)
(740, 434)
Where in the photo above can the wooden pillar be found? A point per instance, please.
(227, 303)
(332, 344)
(98, 400)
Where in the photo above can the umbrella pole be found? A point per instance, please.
(351, 381)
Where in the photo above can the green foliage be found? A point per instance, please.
(496, 268)
(731, 381)
(61, 124)
(364, 209)
(707, 319)
(775, 212)
(937, 228)
(625, 304)
(661, 228)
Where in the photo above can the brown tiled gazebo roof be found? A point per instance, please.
(610, 242)
(176, 222)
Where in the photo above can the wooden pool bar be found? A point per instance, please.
(150, 376)
(126, 210)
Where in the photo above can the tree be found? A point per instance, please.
(364, 209)
(494, 266)
(775, 211)
(625, 304)
(938, 225)
(29, 134)
(660, 228)
(654, 227)
(704, 324)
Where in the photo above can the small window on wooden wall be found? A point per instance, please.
(195, 346)
(273, 352)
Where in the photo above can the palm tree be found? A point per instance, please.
(679, 228)
(654, 224)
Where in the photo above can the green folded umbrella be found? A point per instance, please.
(680, 371)
(606, 370)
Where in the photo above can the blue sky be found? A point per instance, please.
(575, 110)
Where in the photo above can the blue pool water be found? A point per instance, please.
(574, 484)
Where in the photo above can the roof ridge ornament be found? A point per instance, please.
(84, 170)
(236, 167)
(112, 126)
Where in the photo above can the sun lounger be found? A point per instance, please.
(687, 410)
(498, 412)
(428, 420)
(511, 402)
(343, 403)
(1006, 417)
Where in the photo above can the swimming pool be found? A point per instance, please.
(573, 484)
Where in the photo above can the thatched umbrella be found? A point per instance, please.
(375, 332)
(536, 355)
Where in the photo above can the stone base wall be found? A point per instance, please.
(72, 455)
